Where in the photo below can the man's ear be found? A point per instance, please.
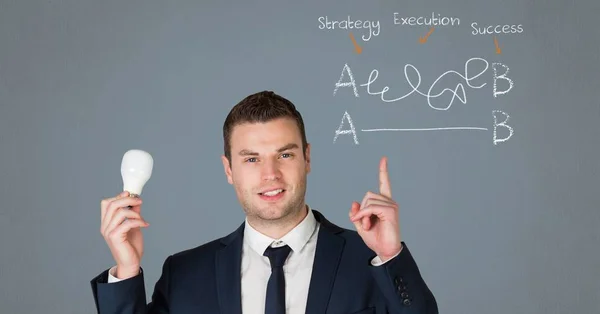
(227, 169)
(307, 157)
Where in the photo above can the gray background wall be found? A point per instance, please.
(506, 228)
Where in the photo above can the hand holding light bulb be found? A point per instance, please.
(121, 215)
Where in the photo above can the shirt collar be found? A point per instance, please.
(295, 239)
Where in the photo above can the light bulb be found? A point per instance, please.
(136, 169)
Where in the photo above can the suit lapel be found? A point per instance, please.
(327, 257)
(328, 253)
(228, 262)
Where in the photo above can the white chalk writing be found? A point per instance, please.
(458, 92)
(429, 129)
(348, 131)
(503, 123)
(413, 79)
(351, 82)
(503, 76)
(496, 29)
(429, 21)
(373, 27)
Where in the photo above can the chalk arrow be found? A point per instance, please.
(498, 50)
(357, 47)
(424, 38)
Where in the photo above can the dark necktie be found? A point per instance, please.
(275, 301)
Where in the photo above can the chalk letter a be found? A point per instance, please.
(346, 84)
(351, 130)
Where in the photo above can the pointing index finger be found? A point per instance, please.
(384, 179)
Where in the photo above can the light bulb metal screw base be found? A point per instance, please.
(132, 195)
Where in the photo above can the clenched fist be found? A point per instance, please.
(121, 228)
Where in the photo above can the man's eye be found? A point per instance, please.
(251, 159)
(285, 155)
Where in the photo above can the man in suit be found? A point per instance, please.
(286, 257)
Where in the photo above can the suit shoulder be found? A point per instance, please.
(348, 234)
(355, 242)
(196, 263)
(203, 253)
(202, 249)
(208, 248)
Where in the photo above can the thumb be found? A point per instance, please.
(353, 211)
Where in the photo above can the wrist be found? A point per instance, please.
(122, 272)
(385, 257)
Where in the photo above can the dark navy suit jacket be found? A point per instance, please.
(206, 279)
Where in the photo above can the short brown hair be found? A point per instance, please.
(261, 107)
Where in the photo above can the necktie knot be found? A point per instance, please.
(278, 255)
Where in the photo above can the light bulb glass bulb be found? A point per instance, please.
(136, 169)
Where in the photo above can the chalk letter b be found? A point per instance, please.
(503, 123)
(351, 130)
(346, 84)
(503, 76)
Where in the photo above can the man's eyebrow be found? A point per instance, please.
(287, 147)
(247, 152)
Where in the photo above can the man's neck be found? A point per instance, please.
(277, 229)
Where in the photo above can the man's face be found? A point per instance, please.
(268, 169)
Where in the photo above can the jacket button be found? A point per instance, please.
(406, 302)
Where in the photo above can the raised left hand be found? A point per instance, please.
(376, 218)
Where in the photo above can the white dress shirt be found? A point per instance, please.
(256, 268)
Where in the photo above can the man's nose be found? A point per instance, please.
(270, 170)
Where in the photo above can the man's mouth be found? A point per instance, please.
(272, 192)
